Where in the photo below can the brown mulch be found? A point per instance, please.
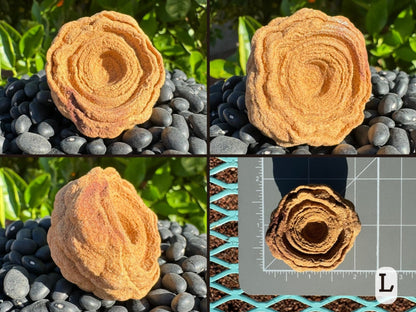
(231, 255)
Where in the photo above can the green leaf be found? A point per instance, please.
(187, 167)
(412, 43)
(162, 208)
(37, 190)
(149, 24)
(150, 193)
(404, 24)
(10, 197)
(247, 26)
(177, 9)
(362, 3)
(198, 191)
(285, 8)
(222, 69)
(202, 3)
(39, 62)
(7, 54)
(376, 17)
(178, 199)
(14, 35)
(406, 53)
(36, 12)
(162, 179)
(190, 208)
(135, 171)
(195, 60)
(382, 50)
(393, 38)
(31, 41)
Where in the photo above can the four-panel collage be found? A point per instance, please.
(207, 155)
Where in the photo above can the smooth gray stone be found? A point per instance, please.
(32, 143)
(89, 302)
(197, 146)
(136, 305)
(170, 268)
(73, 144)
(221, 128)
(301, 151)
(178, 121)
(195, 263)
(361, 134)
(96, 147)
(173, 139)
(161, 117)
(235, 117)
(405, 116)
(179, 104)
(344, 149)
(198, 123)
(174, 283)
(117, 309)
(227, 145)
(62, 290)
(138, 138)
(368, 149)
(388, 150)
(161, 309)
(183, 302)
(383, 119)
(389, 103)
(166, 94)
(399, 139)
(63, 306)
(38, 306)
(119, 148)
(40, 288)
(380, 85)
(196, 285)
(22, 124)
(16, 283)
(250, 134)
(378, 134)
(160, 297)
(175, 251)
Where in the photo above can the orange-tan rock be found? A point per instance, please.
(308, 79)
(104, 238)
(104, 73)
(312, 229)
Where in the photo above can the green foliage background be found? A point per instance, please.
(177, 28)
(389, 27)
(174, 188)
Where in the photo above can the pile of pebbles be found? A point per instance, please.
(388, 127)
(31, 124)
(31, 282)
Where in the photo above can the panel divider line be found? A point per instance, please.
(401, 211)
(355, 203)
(262, 209)
(378, 215)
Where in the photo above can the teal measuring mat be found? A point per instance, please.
(383, 191)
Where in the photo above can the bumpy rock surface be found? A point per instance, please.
(308, 79)
(32, 280)
(312, 229)
(104, 73)
(104, 238)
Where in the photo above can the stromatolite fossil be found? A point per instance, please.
(308, 79)
(104, 73)
(313, 228)
(104, 238)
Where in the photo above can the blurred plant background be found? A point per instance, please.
(177, 28)
(174, 188)
(388, 27)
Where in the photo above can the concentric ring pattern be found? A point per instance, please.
(313, 228)
(104, 73)
(308, 79)
(104, 238)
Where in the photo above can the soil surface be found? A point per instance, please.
(231, 256)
